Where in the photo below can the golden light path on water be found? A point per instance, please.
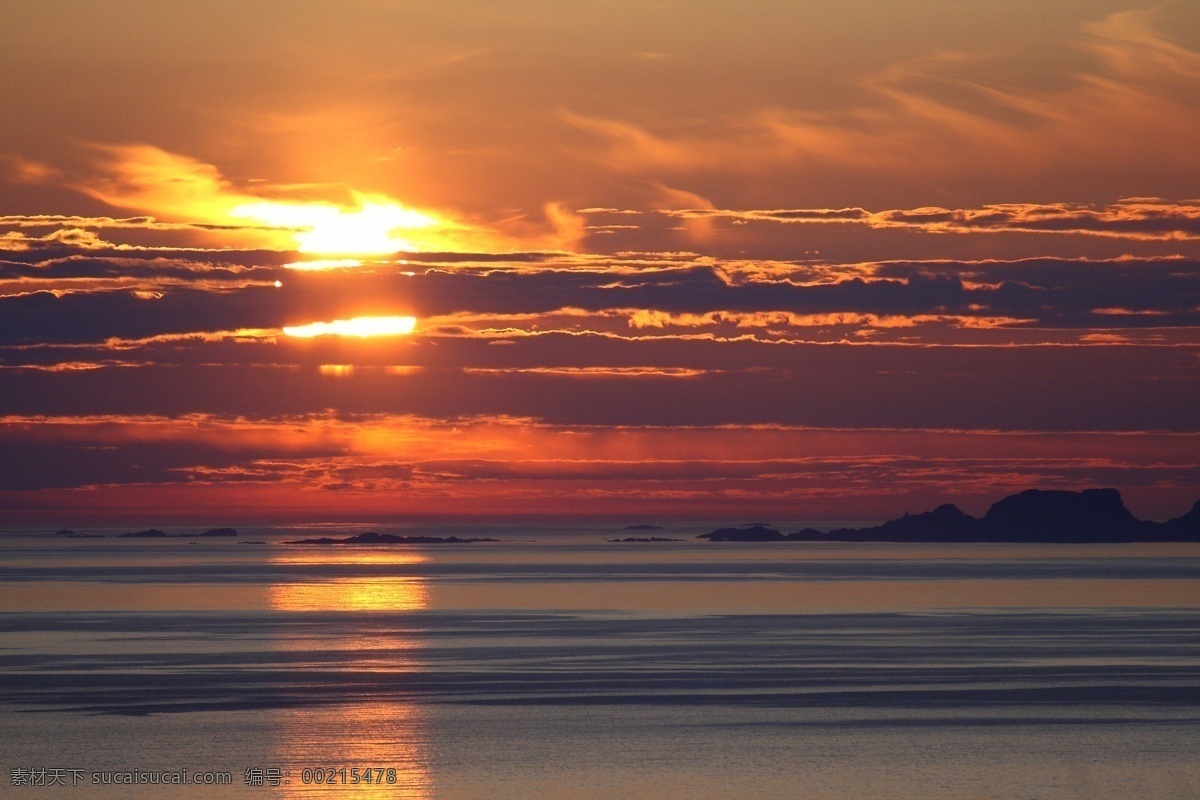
(386, 734)
(362, 327)
(383, 593)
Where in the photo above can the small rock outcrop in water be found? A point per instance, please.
(387, 538)
(1094, 516)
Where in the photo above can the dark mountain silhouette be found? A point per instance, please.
(643, 527)
(1182, 526)
(220, 532)
(1093, 516)
(153, 533)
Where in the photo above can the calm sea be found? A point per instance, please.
(555, 664)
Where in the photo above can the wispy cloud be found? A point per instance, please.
(941, 114)
(1139, 219)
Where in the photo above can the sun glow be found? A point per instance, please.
(333, 221)
(319, 264)
(327, 229)
(359, 326)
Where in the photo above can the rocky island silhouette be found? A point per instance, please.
(1093, 516)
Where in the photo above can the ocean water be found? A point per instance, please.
(554, 664)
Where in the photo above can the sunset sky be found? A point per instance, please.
(377, 259)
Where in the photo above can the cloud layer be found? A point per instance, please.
(828, 263)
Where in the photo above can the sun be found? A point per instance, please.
(329, 230)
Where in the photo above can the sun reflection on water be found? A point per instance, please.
(324, 747)
(354, 593)
(349, 555)
(351, 594)
(325, 750)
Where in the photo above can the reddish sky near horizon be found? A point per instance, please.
(376, 259)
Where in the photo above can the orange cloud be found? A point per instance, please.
(648, 318)
(598, 372)
(1142, 219)
(326, 220)
(394, 465)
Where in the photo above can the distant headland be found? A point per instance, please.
(154, 533)
(643, 539)
(1093, 516)
(387, 538)
(150, 533)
